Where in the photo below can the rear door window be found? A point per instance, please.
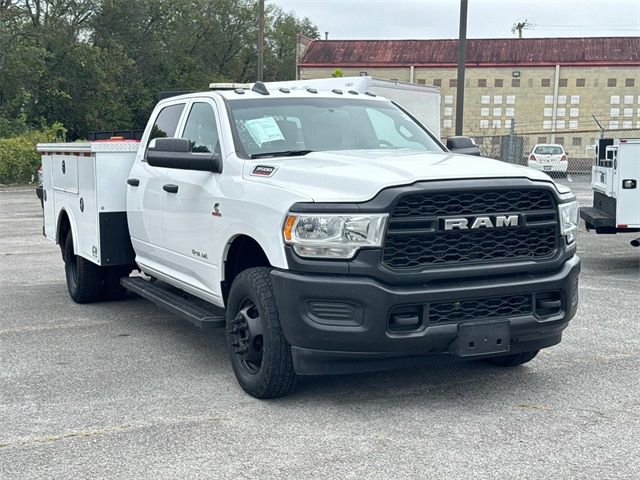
(166, 122)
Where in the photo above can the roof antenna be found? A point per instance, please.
(260, 87)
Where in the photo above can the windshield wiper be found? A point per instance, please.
(286, 153)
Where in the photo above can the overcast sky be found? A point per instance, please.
(372, 19)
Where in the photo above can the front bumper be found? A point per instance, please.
(341, 323)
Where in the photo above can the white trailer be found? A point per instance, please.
(616, 194)
(421, 101)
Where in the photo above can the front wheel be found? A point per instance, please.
(259, 352)
(513, 360)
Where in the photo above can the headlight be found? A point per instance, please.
(333, 235)
(569, 219)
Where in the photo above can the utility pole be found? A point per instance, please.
(520, 26)
(260, 40)
(462, 60)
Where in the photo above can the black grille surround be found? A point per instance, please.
(416, 239)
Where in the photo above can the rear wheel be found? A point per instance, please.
(84, 279)
(513, 360)
(260, 354)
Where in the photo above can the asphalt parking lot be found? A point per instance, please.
(125, 390)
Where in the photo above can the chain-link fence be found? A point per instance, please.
(579, 146)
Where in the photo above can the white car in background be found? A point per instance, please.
(550, 158)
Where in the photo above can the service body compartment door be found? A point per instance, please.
(628, 173)
(64, 172)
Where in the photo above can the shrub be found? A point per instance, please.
(19, 159)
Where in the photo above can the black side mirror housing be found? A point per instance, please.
(464, 145)
(176, 153)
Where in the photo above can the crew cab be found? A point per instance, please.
(326, 231)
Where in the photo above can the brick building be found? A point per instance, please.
(546, 85)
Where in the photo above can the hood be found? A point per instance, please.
(358, 175)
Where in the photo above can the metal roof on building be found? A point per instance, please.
(480, 52)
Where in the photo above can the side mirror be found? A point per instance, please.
(176, 153)
(464, 145)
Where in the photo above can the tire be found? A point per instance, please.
(513, 360)
(84, 279)
(259, 352)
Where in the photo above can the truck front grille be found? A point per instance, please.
(416, 238)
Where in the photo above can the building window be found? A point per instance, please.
(576, 141)
(437, 82)
(581, 82)
(495, 140)
(560, 140)
(447, 123)
(498, 82)
(630, 82)
(612, 82)
(422, 81)
(563, 82)
(482, 82)
(542, 139)
(479, 140)
(546, 82)
(453, 83)
(515, 82)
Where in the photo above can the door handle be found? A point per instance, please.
(134, 182)
(170, 188)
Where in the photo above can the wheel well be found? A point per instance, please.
(244, 252)
(64, 228)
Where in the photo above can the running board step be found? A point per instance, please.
(187, 308)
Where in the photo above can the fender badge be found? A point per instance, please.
(216, 210)
(263, 171)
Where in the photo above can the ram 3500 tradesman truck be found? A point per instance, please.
(327, 231)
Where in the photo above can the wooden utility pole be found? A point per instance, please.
(260, 40)
(462, 60)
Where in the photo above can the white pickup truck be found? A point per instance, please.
(327, 231)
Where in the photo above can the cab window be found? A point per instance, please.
(166, 122)
(201, 129)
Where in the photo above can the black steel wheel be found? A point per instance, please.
(259, 352)
(247, 337)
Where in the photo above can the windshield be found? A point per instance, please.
(548, 150)
(299, 125)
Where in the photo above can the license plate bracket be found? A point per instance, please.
(546, 167)
(482, 338)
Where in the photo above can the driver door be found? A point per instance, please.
(188, 212)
